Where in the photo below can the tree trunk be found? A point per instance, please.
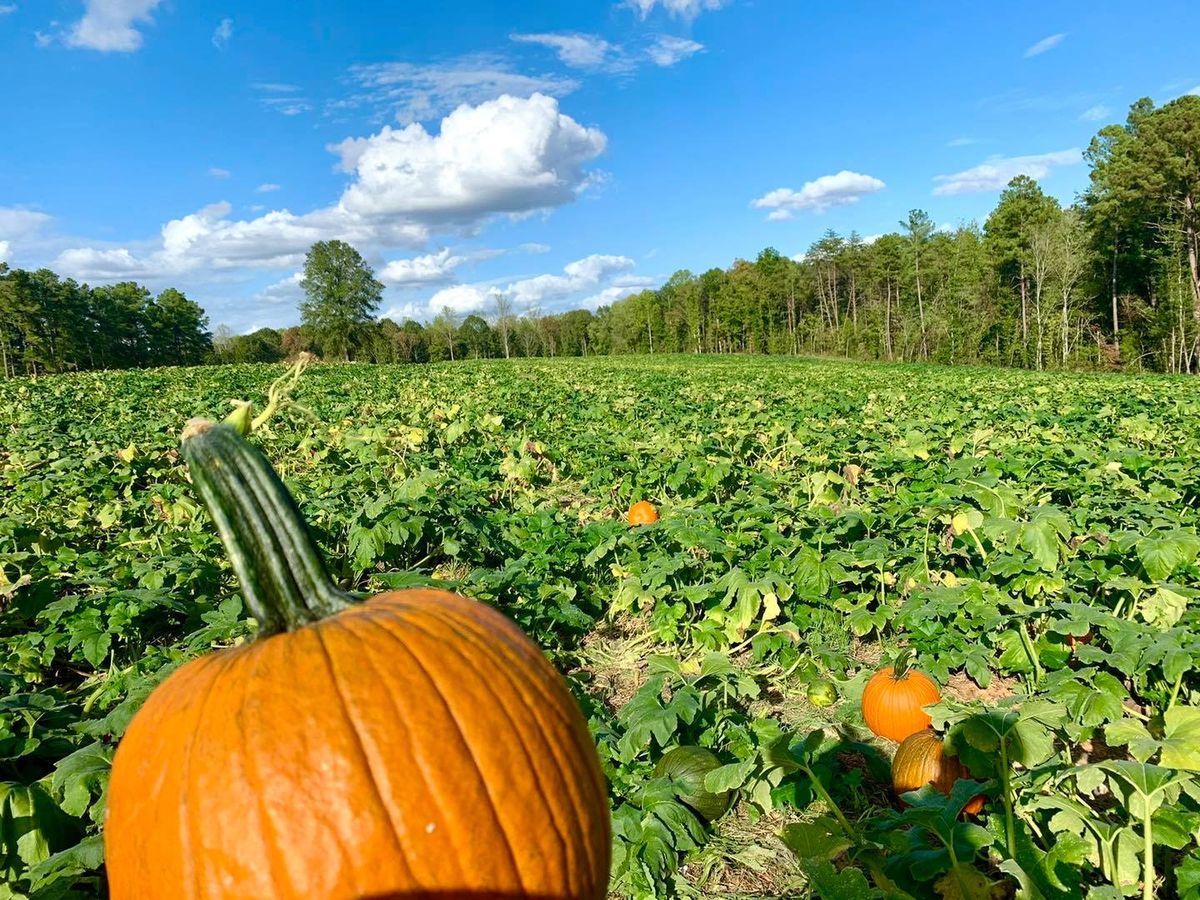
(1192, 238)
(1024, 312)
(1113, 284)
(921, 307)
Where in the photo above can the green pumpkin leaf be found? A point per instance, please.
(1181, 739)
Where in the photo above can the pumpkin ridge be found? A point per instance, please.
(155, 713)
(253, 778)
(516, 654)
(347, 714)
(415, 755)
(190, 872)
(510, 656)
(507, 673)
(487, 789)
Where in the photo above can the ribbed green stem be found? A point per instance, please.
(283, 578)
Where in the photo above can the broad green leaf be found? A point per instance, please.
(1181, 739)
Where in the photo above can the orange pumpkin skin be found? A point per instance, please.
(642, 513)
(415, 744)
(920, 760)
(891, 706)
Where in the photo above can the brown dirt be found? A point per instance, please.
(962, 687)
(745, 860)
(869, 653)
(615, 654)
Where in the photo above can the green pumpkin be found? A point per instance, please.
(687, 767)
(32, 827)
(822, 692)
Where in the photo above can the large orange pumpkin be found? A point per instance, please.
(920, 760)
(892, 701)
(414, 745)
(643, 513)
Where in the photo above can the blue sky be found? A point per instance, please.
(566, 153)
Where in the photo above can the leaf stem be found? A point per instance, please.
(1175, 691)
(1010, 833)
(819, 788)
(1148, 856)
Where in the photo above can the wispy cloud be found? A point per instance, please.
(1046, 43)
(408, 92)
(1023, 100)
(218, 172)
(684, 9)
(580, 51)
(593, 53)
(267, 188)
(1194, 92)
(667, 50)
(222, 34)
(1096, 113)
(960, 142)
(998, 171)
(276, 87)
(819, 195)
(6, 8)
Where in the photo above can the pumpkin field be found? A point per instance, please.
(722, 556)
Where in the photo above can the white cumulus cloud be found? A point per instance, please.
(996, 172)
(819, 195)
(222, 34)
(108, 25)
(1046, 43)
(506, 155)
(421, 271)
(17, 222)
(460, 299)
(581, 275)
(548, 291)
(5, 249)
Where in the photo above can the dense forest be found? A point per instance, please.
(1112, 281)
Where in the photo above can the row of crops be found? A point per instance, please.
(1029, 541)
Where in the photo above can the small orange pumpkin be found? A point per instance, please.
(416, 744)
(642, 513)
(892, 700)
(920, 760)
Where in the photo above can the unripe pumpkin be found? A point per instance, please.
(920, 760)
(893, 699)
(688, 765)
(642, 513)
(416, 744)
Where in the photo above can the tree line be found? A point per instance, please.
(1110, 281)
(51, 324)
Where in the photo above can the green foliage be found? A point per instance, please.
(1031, 535)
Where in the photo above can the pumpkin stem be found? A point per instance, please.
(900, 666)
(283, 577)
